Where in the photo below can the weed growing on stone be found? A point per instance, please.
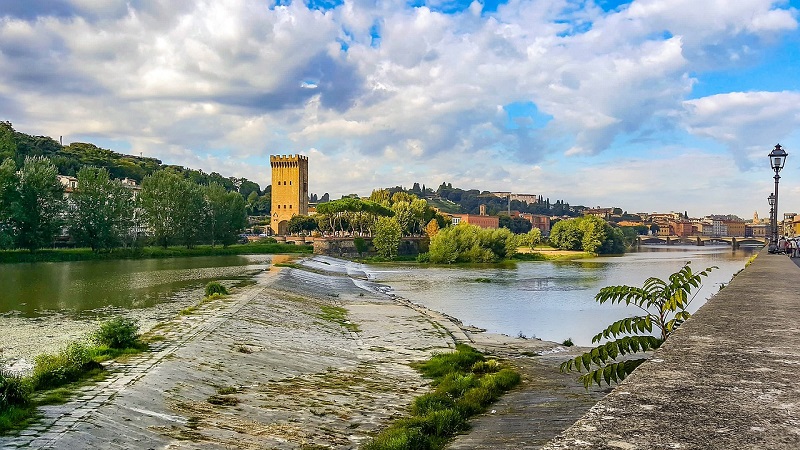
(338, 315)
(465, 383)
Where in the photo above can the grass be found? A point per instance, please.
(338, 315)
(465, 384)
(55, 377)
(290, 265)
(84, 254)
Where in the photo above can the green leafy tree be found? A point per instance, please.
(470, 243)
(302, 224)
(226, 214)
(101, 210)
(37, 215)
(387, 236)
(566, 235)
(8, 145)
(172, 207)
(663, 307)
(8, 200)
(590, 234)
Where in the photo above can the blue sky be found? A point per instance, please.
(648, 105)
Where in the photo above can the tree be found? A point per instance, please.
(432, 228)
(470, 243)
(8, 146)
(663, 304)
(299, 224)
(226, 214)
(101, 210)
(8, 199)
(387, 237)
(518, 225)
(37, 214)
(590, 234)
(173, 208)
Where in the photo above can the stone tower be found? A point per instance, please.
(289, 190)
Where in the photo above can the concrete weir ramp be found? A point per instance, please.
(729, 378)
(270, 367)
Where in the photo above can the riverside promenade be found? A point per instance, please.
(727, 379)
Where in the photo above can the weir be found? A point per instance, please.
(727, 379)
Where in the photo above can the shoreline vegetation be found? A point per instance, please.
(55, 378)
(86, 254)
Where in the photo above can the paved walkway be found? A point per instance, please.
(727, 379)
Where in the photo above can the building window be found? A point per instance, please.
(290, 183)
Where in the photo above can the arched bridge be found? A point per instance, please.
(734, 241)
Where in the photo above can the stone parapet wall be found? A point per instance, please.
(345, 247)
(726, 379)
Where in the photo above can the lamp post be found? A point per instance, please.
(777, 159)
(772, 244)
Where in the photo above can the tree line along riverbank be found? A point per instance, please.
(86, 254)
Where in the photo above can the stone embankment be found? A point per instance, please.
(727, 379)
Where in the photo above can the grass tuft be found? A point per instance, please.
(465, 384)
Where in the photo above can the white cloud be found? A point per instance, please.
(189, 81)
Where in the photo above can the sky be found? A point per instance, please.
(646, 105)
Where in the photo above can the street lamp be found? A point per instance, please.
(772, 244)
(777, 159)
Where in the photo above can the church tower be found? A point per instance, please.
(289, 190)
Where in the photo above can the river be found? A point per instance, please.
(43, 306)
(554, 300)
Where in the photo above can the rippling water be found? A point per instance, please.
(553, 300)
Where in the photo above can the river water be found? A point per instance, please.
(554, 300)
(43, 306)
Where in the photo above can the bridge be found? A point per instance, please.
(727, 379)
(734, 241)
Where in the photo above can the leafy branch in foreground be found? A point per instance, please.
(663, 304)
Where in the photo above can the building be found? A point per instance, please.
(735, 227)
(603, 213)
(539, 221)
(289, 190)
(481, 220)
(682, 228)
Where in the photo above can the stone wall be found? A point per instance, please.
(345, 247)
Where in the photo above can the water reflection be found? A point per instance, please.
(554, 300)
(36, 288)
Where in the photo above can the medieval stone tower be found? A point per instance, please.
(289, 190)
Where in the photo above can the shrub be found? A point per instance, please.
(455, 385)
(488, 366)
(118, 333)
(50, 371)
(568, 342)
(215, 288)
(441, 364)
(399, 439)
(14, 391)
(433, 401)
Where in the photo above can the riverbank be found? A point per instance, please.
(270, 368)
(86, 254)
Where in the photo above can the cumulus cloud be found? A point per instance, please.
(748, 123)
(384, 88)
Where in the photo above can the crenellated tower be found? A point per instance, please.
(289, 190)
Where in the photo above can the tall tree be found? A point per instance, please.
(8, 199)
(226, 214)
(37, 215)
(162, 202)
(101, 210)
(387, 237)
